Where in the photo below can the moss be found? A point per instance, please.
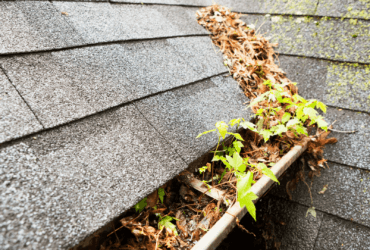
(347, 84)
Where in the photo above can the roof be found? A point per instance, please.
(101, 103)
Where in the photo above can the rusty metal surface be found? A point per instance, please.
(227, 222)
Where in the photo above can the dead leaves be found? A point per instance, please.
(250, 57)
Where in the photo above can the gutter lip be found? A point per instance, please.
(225, 225)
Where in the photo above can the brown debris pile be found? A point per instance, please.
(249, 56)
(250, 59)
(191, 214)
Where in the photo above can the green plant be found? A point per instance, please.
(236, 164)
(165, 222)
(161, 194)
(276, 113)
(140, 205)
(296, 111)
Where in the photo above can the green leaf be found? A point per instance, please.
(292, 122)
(286, 117)
(206, 132)
(266, 134)
(245, 195)
(259, 111)
(222, 128)
(321, 123)
(247, 201)
(236, 162)
(321, 106)
(236, 135)
(278, 96)
(141, 205)
(203, 169)
(279, 129)
(311, 104)
(259, 98)
(161, 194)
(260, 124)
(166, 222)
(230, 151)
(311, 112)
(268, 83)
(224, 161)
(248, 125)
(216, 158)
(301, 130)
(238, 145)
(299, 112)
(234, 121)
(244, 183)
(297, 97)
(312, 211)
(266, 171)
(287, 100)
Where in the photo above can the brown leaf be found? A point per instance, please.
(152, 199)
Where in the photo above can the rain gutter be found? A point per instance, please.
(224, 226)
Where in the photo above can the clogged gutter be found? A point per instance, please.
(282, 120)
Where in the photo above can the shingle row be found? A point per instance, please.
(288, 226)
(333, 8)
(328, 38)
(67, 85)
(38, 26)
(347, 195)
(16, 117)
(344, 85)
(249, 6)
(61, 185)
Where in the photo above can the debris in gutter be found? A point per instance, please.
(184, 214)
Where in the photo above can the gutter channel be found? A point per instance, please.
(225, 225)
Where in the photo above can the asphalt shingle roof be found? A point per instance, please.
(101, 105)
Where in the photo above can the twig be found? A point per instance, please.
(156, 241)
(244, 229)
(344, 132)
(115, 230)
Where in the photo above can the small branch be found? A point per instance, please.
(156, 241)
(344, 132)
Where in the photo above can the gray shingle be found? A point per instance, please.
(70, 181)
(289, 223)
(249, 6)
(182, 114)
(345, 40)
(340, 234)
(351, 149)
(342, 85)
(200, 54)
(347, 196)
(344, 8)
(309, 73)
(154, 66)
(16, 119)
(67, 85)
(348, 86)
(104, 22)
(29, 26)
